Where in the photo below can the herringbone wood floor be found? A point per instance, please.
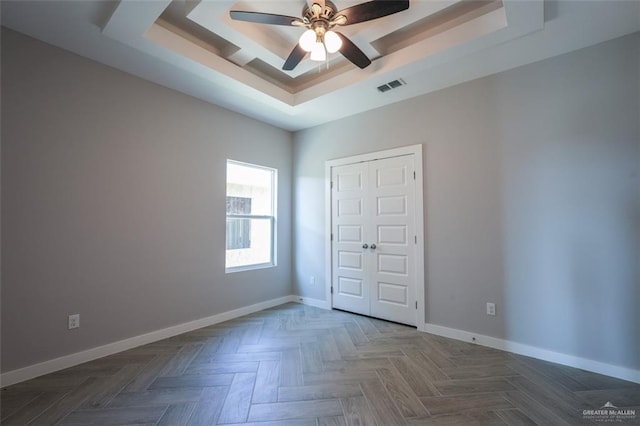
(298, 365)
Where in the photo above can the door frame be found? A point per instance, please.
(416, 150)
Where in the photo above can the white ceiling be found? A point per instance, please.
(194, 47)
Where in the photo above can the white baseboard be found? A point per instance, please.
(323, 304)
(535, 352)
(46, 367)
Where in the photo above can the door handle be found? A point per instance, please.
(373, 246)
(365, 246)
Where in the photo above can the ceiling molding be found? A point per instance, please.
(194, 47)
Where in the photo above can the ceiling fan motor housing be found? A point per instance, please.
(317, 12)
(318, 18)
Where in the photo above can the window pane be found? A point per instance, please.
(238, 234)
(238, 205)
(252, 183)
(249, 242)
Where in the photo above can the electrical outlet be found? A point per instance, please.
(491, 309)
(312, 280)
(74, 321)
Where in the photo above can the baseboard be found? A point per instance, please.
(46, 367)
(535, 352)
(50, 366)
(323, 304)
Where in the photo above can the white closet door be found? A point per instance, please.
(349, 263)
(391, 195)
(373, 248)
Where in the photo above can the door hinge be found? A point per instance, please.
(415, 239)
(331, 185)
(414, 175)
(416, 304)
(331, 289)
(331, 237)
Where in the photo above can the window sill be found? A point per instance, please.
(249, 268)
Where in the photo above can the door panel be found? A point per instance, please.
(350, 233)
(393, 293)
(350, 207)
(393, 264)
(350, 287)
(350, 260)
(391, 176)
(349, 180)
(392, 205)
(393, 234)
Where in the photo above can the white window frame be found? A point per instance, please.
(274, 197)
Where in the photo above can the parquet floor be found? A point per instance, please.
(298, 365)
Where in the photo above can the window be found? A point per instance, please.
(251, 206)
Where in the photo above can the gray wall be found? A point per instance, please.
(532, 200)
(113, 204)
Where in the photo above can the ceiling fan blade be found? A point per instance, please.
(294, 58)
(372, 10)
(263, 18)
(353, 52)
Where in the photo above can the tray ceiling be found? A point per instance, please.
(194, 47)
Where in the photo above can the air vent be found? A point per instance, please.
(391, 85)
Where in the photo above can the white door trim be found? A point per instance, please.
(416, 150)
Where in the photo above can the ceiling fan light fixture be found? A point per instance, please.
(307, 40)
(332, 42)
(319, 53)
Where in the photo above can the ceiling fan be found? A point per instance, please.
(320, 18)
